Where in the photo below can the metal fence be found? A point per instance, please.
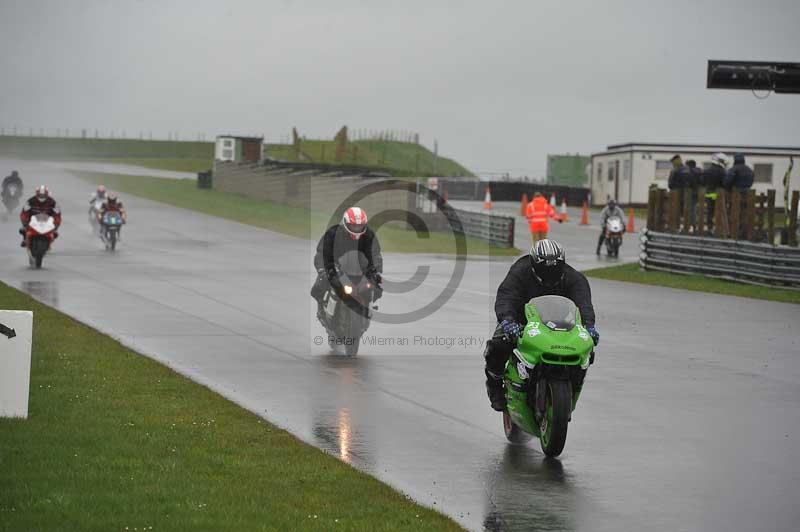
(492, 228)
(736, 260)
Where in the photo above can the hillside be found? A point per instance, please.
(80, 148)
(399, 158)
(402, 159)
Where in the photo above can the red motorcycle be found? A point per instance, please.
(39, 235)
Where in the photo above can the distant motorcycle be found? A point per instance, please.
(95, 207)
(11, 196)
(110, 225)
(614, 231)
(38, 237)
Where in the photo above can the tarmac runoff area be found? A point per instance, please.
(689, 420)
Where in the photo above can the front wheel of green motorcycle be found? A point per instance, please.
(554, 424)
(515, 435)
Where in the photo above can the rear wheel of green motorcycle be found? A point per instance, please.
(514, 434)
(554, 424)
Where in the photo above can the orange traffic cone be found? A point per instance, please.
(563, 211)
(585, 214)
(523, 204)
(487, 199)
(630, 227)
(553, 200)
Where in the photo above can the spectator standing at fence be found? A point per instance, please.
(538, 212)
(695, 182)
(740, 176)
(713, 177)
(679, 179)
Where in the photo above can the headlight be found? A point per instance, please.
(348, 289)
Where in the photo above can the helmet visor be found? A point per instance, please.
(355, 228)
(550, 271)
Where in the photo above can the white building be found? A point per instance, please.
(626, 171)
(239, 149)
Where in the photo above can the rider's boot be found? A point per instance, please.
(495, 391)
(600, 243)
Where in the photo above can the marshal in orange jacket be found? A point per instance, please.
(537, 212)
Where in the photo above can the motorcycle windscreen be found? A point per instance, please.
(557, 313)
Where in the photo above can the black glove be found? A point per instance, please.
(512, 329)
(374, 276)
(594, 334)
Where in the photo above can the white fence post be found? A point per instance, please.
(16, 333)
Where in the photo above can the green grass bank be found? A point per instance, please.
(632, 273)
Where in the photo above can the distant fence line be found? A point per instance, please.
(730, 214)
(102, 134)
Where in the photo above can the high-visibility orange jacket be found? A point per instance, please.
(537, 212)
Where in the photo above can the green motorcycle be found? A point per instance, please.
(544, 376)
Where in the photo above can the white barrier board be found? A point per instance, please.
(16, 332)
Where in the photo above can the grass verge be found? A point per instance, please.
(277, 217)
(117, 441)
(632, 273)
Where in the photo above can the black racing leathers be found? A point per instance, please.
(333, 245)
(520, 286)
(517, 289)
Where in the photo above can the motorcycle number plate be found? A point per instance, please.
(331, 306)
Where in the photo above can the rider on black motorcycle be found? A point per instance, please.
(39, 203)
(610, 210)
(13, 179)
(543, 272)
(352, 234)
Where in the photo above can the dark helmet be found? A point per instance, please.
(14, 173)
(612, 203)
(548, 260)
(738, 158)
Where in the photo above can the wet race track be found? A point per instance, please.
(689, 420)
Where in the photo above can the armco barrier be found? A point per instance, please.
(727, 259)
(497, 230)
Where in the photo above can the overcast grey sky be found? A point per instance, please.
(499, 84)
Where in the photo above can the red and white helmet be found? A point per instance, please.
(101, 190)
(355, 222)
(42, 193)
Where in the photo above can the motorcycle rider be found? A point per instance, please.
(543, 272)
(100, 194)
(713, 177)
(13, 179)
(611, 209)
(39, 203)
(351, 234)
(113, 204)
